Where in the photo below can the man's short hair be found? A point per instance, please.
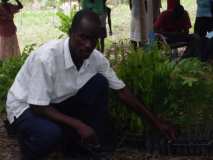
(84, 14)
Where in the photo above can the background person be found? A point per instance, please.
(8, 40)
(108, 12)
(141, 33)
(104, 17)
(99, 7)
(174, 23)
(204, 18)
(135, 30)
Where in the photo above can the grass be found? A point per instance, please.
(36, 27)
(120, 22)
(40, 26)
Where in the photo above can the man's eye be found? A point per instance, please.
(82, 36)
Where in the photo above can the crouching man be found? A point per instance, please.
(60, 94)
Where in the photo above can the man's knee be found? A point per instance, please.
(40, 140)
(52, 134)
(95, 89)
(100, 81)
(96, 84)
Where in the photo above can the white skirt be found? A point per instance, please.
(135, 32)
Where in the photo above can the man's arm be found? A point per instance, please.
(85, 131)
(19, 4)
(130, 100)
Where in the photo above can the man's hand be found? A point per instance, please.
(87, 134)
(166, 129)
(138, 106)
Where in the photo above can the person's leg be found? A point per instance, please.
(91, 106)
(208, 49)
(194, 47)
(103, 36)
(93, 99)
(37, 136)
(198, 26)
(102, 45)
(203, 25)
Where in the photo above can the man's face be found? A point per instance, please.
(84, 40)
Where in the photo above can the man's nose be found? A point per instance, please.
(88, 43)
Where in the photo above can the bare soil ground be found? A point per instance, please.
(9, 150)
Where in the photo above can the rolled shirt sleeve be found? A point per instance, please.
(40, 84)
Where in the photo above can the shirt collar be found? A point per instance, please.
(67, 56)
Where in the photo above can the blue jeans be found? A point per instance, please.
(39, 136)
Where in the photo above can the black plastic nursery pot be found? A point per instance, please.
(187, 143)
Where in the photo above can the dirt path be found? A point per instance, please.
(9, 149)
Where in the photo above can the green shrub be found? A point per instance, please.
(190, 100)
(180, 92)
(65, 20)
(8, 70)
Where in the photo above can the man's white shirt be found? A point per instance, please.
(50, 76)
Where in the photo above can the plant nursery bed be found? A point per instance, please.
(9, 150)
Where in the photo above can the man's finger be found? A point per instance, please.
(171, 135)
